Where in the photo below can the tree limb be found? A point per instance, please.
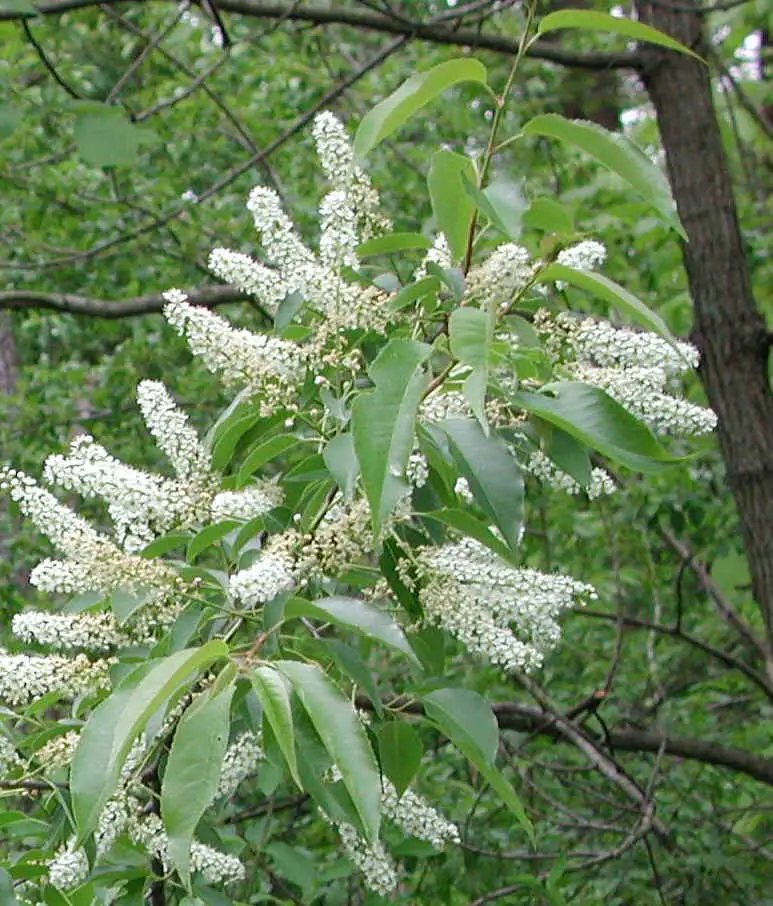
(433, 33)
(153, 303)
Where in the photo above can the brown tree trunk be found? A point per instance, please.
(729, 329)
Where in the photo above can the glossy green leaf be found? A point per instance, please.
(421, 88)
(192, 772)
(611, 292)
(228, 438)
(124, 602)
(618, 154)
(111, 729)
(599, 422)
(383, 423)
(502, 202)
(341, 460)
(470, 333)
(342, 734)
(400, 751)
(164, 544)
(415, 291)
(209, 536)
(393, 242)
(494, 476)
(274, 696)
(357, 615)
(466, 522)
(7, 895)
(595, 21)
(548, 215)
(351, 664)
(264, 453)
(294, 865)
(468, 721)
(451, 205)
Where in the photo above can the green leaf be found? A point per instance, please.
(357, 615)
(470, 334)
(616, 153)
(464, 521)
(264, 453)
(383, 424)
(569, 455)
(126, 601)
(193, 772)
(598, 421)
(164, 544)
(228, 438)
(112, 727)
(350, 663)
(10, 118)
(610, 292)
(415, 291)
(104, 138)
(452, 206)
(400, 751)
(288, 309)
(421, 88)
(293, 865)
(548, 215)
(342, 734)
(393, 242)
(617, 25)
(342, 462)
(468, 721)
(507, 200)
(209, 536)
(7, 895)
(273, 695)
(494, 476)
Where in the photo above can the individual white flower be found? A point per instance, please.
(500, 277)
(248, 503)
(546, 471)
(240, 761)
(25, 678)
(257, 362)
(584, 256)
(506, 615)
(417, 817)
(271, 574)
(97, 632)
(262, 283)
(69, 868)
(372, 859)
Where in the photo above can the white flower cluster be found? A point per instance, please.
(25, 678)
(247, 503)
(417, 817)
(214, 866)
(257, 362)
(445, 404)
(240, 761)
(57, 752)
(417, 470)
(439, 254)
(9, 758)
(96, 632)
(635, 368)
(271, 574)
(506, 615)
(69, 868)
(94, 562)
(546, 471)
(584, 256)
(502, 275)
(372, 859)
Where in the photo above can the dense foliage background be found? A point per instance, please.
(129, 141)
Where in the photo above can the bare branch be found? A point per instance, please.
(335, 14)
(207, 296)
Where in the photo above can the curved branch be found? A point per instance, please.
(525, 718)
(153, 303)
(372, 21)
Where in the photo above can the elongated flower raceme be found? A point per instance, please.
(26, 678)
(506, 615)
(257, 362)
